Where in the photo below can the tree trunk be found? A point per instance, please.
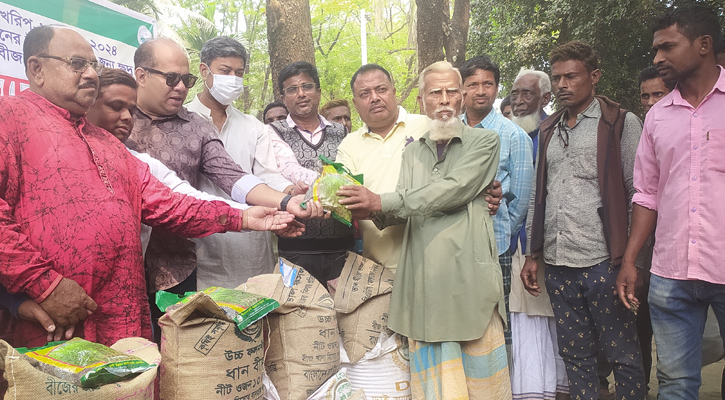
(432, 19)
(378, 20)
(412, 26)
(439, 36)
(267, 71)
(289, 35)
(456, 48)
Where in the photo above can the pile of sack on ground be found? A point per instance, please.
(280, 336)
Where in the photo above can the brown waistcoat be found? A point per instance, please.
(614, 208)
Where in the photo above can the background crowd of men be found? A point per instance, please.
(534, 254)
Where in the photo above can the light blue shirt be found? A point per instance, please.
(516, 174)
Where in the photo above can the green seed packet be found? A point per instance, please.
(324, 189)
(242, 307)
(85, 363)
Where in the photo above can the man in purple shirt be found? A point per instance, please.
(188, 145)
(678, 172)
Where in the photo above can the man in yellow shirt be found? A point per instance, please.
(375, 150)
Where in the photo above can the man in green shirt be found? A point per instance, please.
(448, 293)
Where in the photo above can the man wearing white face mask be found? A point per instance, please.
(228, 260)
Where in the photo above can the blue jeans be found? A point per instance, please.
(678, 310)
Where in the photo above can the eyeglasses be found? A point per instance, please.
(77, 64)
(173, 78)
(563, 133)
(306, 88)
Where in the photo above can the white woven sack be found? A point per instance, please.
(384, 371)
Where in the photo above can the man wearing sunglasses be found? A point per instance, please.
(579, 224)
(72, 200)
(189, 145)
(298, 142)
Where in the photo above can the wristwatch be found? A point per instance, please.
(283, 203)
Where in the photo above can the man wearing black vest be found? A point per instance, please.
(579, 224)
(298, 142)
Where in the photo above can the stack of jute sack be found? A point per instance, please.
(302, 344)
(303, 331)
(376, 359)
(294, 352)
(306, 345)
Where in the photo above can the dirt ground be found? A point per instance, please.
(711, 380)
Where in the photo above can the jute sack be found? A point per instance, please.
(362, 300)
(302, 349)
(204, 355)
(384, 372)
(26, 382)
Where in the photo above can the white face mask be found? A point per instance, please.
(226, 88)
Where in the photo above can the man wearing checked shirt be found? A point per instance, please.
(515, 168)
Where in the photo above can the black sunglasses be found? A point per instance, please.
(173, 78)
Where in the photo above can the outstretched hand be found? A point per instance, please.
(293, 229)
(259, 218)
(313, 208)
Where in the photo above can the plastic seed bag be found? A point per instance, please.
(243, 308)
(324, 189)
(85, 363)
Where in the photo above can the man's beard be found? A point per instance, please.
(528, 123)
(444, 129)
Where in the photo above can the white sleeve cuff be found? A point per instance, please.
(243, 186)
(234, 204)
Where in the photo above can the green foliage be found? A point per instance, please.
(245, 21)
(148, 7)
(521, 33)
(336, 35)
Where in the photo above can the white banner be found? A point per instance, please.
(114, 47)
